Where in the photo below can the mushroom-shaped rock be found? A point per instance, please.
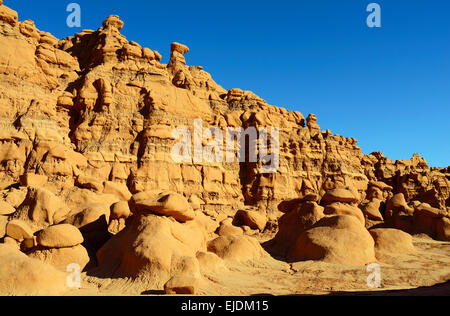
(253, 219)
(338, 239)
(19, 230)
(293, 223)
(289, 205)
(168, 204)
(392, 241)
(120, 210)
(236, 248)
(113, 21)
(380, 185)
(372, 210)
(341, 194)
(397, 206)
(60, 236)
(179, 48)
(153, 247)
(338, 208)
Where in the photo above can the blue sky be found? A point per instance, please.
(387, 87)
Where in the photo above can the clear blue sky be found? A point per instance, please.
(389, 88)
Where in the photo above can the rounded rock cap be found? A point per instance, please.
(180, 48)
(113, 21)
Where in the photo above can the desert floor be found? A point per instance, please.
(426, 272)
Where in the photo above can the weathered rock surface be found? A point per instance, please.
(152, 247)
(19, 230)
(236, 248)
(21, 275)
(338, 239)
(61, 258)
(167, 204)
(392, 241)
(60, 236)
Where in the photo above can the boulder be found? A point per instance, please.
(151, 247)
(21, 275)
(392, 241)
(34, 180)
(443, 229)
(425, 209)
(288, 205)
(253, 219)
(226, 229)
(6, 208)
(93, 217)
(62, 257)
(181, 285)
(90, 183)
(42, 207)
(19, 230)
(60, 236)
(293, 223)
(339, 239)
(167, 204)
(118, 189)
(372, 210)
(209, 262)
(120, 210)
(180, 48)
(236, 248)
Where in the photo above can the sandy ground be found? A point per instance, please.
(425, 272)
